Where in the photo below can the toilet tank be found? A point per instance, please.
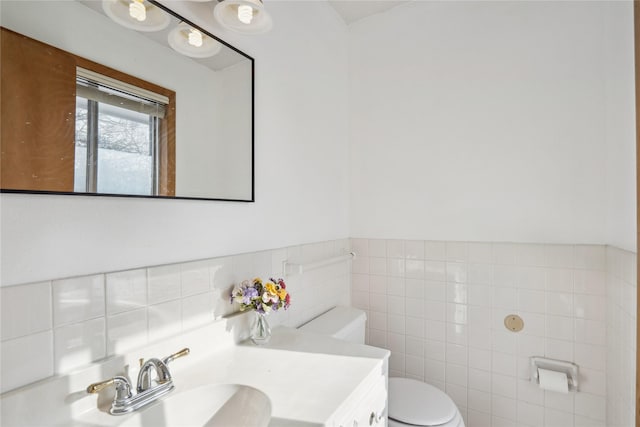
(345, 323)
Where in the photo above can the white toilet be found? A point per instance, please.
(411, 403)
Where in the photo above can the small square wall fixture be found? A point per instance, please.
(243, 16)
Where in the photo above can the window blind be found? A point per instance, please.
(103, 89)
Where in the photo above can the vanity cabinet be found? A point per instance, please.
(366, 406)
(345, 395)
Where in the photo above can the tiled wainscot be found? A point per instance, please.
(56, 326)
(440, 307)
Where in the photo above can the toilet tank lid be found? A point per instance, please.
(418, 403)
(335, 321)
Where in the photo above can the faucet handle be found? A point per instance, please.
(98, 387)
(174, 356)
(123, 388)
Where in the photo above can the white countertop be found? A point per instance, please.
(308, 377)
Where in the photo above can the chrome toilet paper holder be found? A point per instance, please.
(568, 368)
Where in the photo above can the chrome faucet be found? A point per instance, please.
(147, 368)
(124, 401)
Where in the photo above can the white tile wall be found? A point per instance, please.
(27, 310)
(58, 326)
(26, 359)
(79, 344)
(126, 291)
(620, 337)
(78, 299)
(164, 283)
(439, 307)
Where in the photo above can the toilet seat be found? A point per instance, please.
(456, 422)
(419, 404)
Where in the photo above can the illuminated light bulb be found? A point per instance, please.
(192, 42)
(137, 10)
(245, 14)
(195, 38)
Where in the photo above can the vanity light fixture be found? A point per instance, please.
(191, 42)
(243, 16)
(138, 15)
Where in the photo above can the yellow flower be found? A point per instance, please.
(271, 288)
(282, 294)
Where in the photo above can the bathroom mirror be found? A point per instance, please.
(90, 106)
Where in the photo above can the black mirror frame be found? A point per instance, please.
(253, 184)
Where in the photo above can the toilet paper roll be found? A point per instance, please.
(553, 380)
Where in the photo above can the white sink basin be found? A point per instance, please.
(216, 405)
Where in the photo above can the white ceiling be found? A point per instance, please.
(352, 10)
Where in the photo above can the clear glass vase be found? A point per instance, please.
(260, 330)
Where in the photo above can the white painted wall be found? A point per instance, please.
(236, 126)
(301, 172)
(494, 112)
(620, 125)
(195, 160)
(217, 160)
(485, 121)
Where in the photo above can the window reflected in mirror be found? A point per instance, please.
(123, 128)
(118, 138)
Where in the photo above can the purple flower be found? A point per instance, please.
(248, 294)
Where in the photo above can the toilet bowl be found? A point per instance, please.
(415, 403)
(412, 403)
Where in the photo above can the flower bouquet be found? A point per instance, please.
(263, 298)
